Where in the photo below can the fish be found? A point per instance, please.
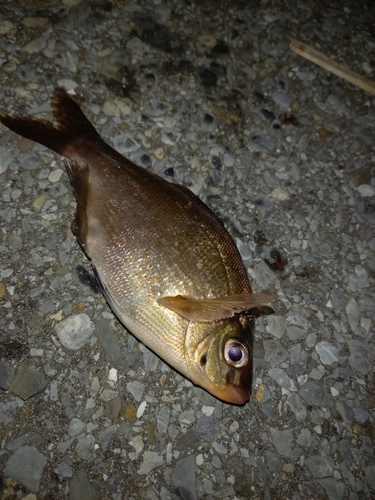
(166, 264)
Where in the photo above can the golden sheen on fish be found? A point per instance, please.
(168, 268)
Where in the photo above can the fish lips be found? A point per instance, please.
(235, 395)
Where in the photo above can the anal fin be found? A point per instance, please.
(79, 179)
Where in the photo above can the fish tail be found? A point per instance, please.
(72, 125)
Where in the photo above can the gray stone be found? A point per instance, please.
(26, 466)
(114, 349)
(54, 392)
(274, 460)
(208, 486)
(162, 419)
(36, 440)
(76, 427)
(64, 251)
(262, 143)
(28, 382)
(125, 144)
(106, 435)
(314, 394)
(7, 374)
(370, 476)
(64, 470)
(276, 325)
(320, 466)
(16, 443)
(85, 446)
(150, 360)
(5, 160)
(151, 460)
(113, 408)
(334, 489)
(74, 332)
(183, 478)
(295, 354)
(220, 448)
(81, 488)
(263, 472)
(296, 406)
(360, 412)
(208, 428)
(26, 72)
(295, 333)
(345, 411)
(339, 106)
(162, 13)
(282, 100)
(361, 356)
(328, 353)
(282, 379)
(282, 440)
(352, 312)
(304, 438)
(338, 299)
(136, 389)
(274, 352)
(187, 417)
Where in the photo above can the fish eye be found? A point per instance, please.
(235, 354)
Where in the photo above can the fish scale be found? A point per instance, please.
(168, 267)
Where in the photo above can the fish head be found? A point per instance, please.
(219, 357)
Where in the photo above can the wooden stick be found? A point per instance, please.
(332, 66)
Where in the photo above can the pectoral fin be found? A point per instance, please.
(201, 310)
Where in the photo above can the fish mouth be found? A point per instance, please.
(234, 394)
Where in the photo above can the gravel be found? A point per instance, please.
(208, 95)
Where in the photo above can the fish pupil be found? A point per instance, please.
(235, 353)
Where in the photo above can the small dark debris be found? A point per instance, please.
(169, 172)
(220, 48)
(259, 202)
(287, 119)
(280, 261)
(185, 65)
(208, 78)
(218, 68)
(259, 96)
(268, 114)
(216, 162)
(145, 160)
(208, 119)
(115, 87)
(259, 238)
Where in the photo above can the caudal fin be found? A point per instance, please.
(72, 124)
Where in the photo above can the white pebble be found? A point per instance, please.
(55, 175)
(141, 409)
(112, 376)
(208, 410)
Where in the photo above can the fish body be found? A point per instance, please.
(168, 267)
